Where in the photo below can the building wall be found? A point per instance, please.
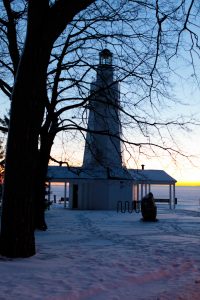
(100, 194)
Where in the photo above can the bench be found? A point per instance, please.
(164, 200)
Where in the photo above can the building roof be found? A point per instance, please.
(151, 176)
(61, 174)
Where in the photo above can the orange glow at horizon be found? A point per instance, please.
(188, 183)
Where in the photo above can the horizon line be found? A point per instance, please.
(188, 183)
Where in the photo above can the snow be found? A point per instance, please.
(104, 255)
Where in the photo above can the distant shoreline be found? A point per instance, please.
(184, 183)
(181, 183)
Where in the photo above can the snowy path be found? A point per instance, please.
(108, 255)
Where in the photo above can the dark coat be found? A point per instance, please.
(148, 208)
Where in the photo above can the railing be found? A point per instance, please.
(126, 206)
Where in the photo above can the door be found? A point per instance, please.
(75, 196)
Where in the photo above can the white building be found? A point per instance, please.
(102, 181)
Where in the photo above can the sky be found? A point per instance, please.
(184, 170)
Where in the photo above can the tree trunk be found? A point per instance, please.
(29, 98)
(27, 110)
(17, 229)
(44, 154)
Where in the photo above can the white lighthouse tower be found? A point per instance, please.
(104, 180)
(103, 147)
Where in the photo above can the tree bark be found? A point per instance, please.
(27, 109)
(47, 138)
(17, 216)
(29, 98)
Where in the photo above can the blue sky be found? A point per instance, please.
(186, 90)
(181, 168)
(66, 147)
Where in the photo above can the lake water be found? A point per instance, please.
(188, 197)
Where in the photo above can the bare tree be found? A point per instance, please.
(52, 72)
(148, 43)
(17, 235)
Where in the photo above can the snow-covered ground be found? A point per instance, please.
(103, 255)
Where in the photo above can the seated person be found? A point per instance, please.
(148, 208)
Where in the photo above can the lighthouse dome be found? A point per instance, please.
(105, 57)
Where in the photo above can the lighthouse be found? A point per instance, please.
(103, 147)
(104, 179)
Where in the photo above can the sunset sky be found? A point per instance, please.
(184, 170)
(137, 54)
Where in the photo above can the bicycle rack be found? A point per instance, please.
(125, 206)
(120, 205)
